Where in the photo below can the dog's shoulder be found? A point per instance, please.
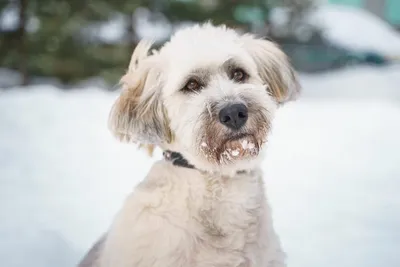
(166, 189)
(160, 176)
(164, 177)
(153, 216)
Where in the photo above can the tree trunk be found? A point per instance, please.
(22, 44)
(132, 38)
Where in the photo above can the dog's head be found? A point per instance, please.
(209, 93)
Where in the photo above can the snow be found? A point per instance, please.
(353, 83)
(235, 153)
(356, 29)
(9, 78)
(152, 26)
(9, 18)
(111, 31)
(332, 172)
(345, 26)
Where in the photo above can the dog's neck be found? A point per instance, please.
(177, 159)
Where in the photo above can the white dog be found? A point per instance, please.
(207, 98)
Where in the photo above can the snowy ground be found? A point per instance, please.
(333, 172)
(345, 26)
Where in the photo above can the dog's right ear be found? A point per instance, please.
(138, 115)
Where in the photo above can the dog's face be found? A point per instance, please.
(209, 94)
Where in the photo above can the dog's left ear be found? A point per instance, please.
(274, 68)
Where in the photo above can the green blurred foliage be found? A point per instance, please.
(59, 48)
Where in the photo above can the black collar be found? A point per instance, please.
(178, 160)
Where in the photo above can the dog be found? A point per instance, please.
(207, 99)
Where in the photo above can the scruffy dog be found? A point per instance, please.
(207, 98)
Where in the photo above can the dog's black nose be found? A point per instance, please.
(233, 116)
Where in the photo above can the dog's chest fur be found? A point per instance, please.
(230, 206)
(230, 217)
(186, 218)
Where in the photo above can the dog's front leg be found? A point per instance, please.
(143, 236)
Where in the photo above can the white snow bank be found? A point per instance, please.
(152, 26)
(111, 31)
(332, 175)
(361, 82)
(349, 27)
(62, 176)
(9, 18)
(356, 29)
(9, 78)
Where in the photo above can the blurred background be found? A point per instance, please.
(67, 42)
(332, 168)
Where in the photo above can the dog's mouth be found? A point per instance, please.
(231, 149)
(238, 147)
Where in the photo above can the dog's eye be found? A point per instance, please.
(239, 75)
(192, 86)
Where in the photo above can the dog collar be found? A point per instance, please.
(178, 160)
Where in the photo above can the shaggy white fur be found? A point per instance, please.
(216, 214)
